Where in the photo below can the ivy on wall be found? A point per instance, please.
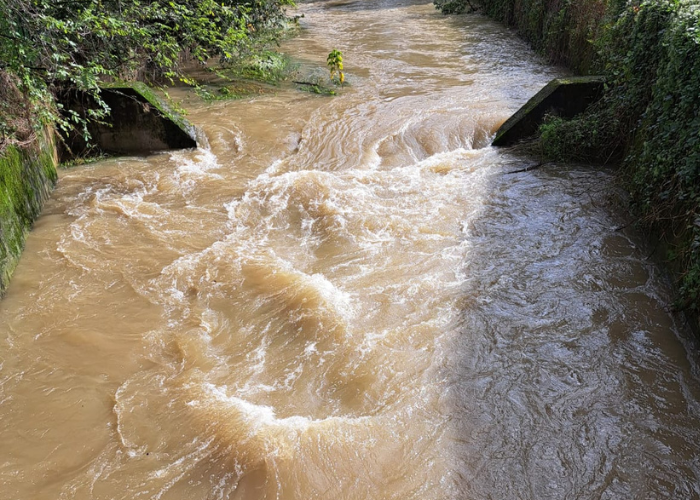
(648, 120)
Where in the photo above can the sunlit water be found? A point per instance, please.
(348, 298)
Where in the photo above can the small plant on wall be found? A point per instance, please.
(335, 65)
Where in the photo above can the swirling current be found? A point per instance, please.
(349, 297)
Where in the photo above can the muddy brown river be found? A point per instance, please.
(348, 297)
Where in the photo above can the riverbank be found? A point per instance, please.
(27, 176)
(647, 121)
(348, 297)
(49, 50)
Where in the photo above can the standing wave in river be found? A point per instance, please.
(348, 298)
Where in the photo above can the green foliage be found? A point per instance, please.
(454, 6)
(46, 44)
(648, 119)
(16, 118)
(320, 90)
(316, 88)
(265, 66)
(562, 30)
(334, 61)
(252, 75)
(230, 91)
(668, 140)
(594, 139)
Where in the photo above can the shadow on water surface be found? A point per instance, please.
(570, 377)
(267, 318)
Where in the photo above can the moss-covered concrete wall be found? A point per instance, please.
(27, 177)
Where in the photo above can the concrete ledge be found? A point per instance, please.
(564, 97)
(139, 123)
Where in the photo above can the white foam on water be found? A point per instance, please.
(339, 300)
(177, 469)
(274, 168)
(194, 167)
(229, 138)
(258, 356)
(260, 417)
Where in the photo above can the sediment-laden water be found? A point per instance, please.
(348, 298)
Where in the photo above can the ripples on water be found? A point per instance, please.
(348, 298)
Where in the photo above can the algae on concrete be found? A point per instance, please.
(27, 177)
(139, 122)
(152, 98)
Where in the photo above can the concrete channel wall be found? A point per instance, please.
(139, 123)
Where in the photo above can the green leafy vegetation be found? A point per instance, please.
(334, 61)
(47, 45)
(648, 120)
(266, 66)
(259, 73)
(316, 82)
(319, 89)
(562, 30)
(316, 88)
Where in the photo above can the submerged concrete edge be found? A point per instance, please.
(139, 123)
(565, 97)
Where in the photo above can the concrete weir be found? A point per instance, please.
(564, 97)
(139, 123)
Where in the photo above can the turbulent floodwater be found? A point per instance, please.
(348, 298)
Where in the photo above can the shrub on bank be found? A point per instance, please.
(648, 120)
(46, 45)
(562, 30)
